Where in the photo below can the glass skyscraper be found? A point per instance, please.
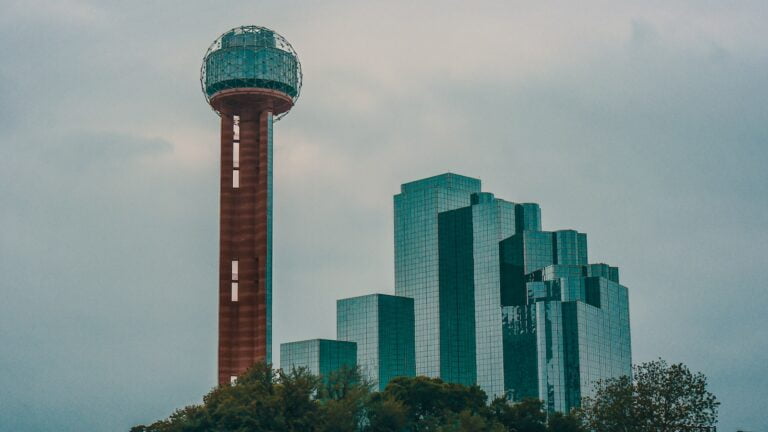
(565, 322)
(383, 328)
(469, 289)
(572, 331)
(501, 303)
(319, 356)
(416, 255)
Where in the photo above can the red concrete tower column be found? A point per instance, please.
(245, 227)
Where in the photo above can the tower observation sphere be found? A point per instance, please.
(251, 77)
(251, 57)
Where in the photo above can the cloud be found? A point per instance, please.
(101, 151)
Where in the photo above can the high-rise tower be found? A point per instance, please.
(417, 256)
(502, 304)
(251, 76)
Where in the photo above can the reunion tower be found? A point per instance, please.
(251, 77)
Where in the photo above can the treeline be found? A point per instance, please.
(661, 398)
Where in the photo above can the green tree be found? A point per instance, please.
(467, 421)
(298, 409)
(188, 419)
(386, 414)
(430, 402)
(559, 422)
(252, 404)
(660, 398)
(613, 406)
(259, 400)
(343, 400)
(524, 416)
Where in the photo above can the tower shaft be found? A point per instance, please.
(245, 241)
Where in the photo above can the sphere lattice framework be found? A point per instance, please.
(251, 57)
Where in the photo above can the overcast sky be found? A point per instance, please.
(644, 125)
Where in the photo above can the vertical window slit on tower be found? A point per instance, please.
(235, 152)
(234, 269)
(234, 292)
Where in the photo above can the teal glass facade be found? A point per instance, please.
(456, 298)
(382, 326)
(470, 296)
(501, 303)
(571, 331)
(529, 251)
(416, 255)
(319, 356)
(251, 56)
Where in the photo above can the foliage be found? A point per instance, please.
(386, 414)
(571, 422)
(660, 398)
(612, 408)
(343, 399)
(525, 416)
(428, 401)
(260, 400)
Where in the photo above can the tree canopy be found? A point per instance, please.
(660, 398)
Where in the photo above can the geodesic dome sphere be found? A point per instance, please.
(251, 57)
